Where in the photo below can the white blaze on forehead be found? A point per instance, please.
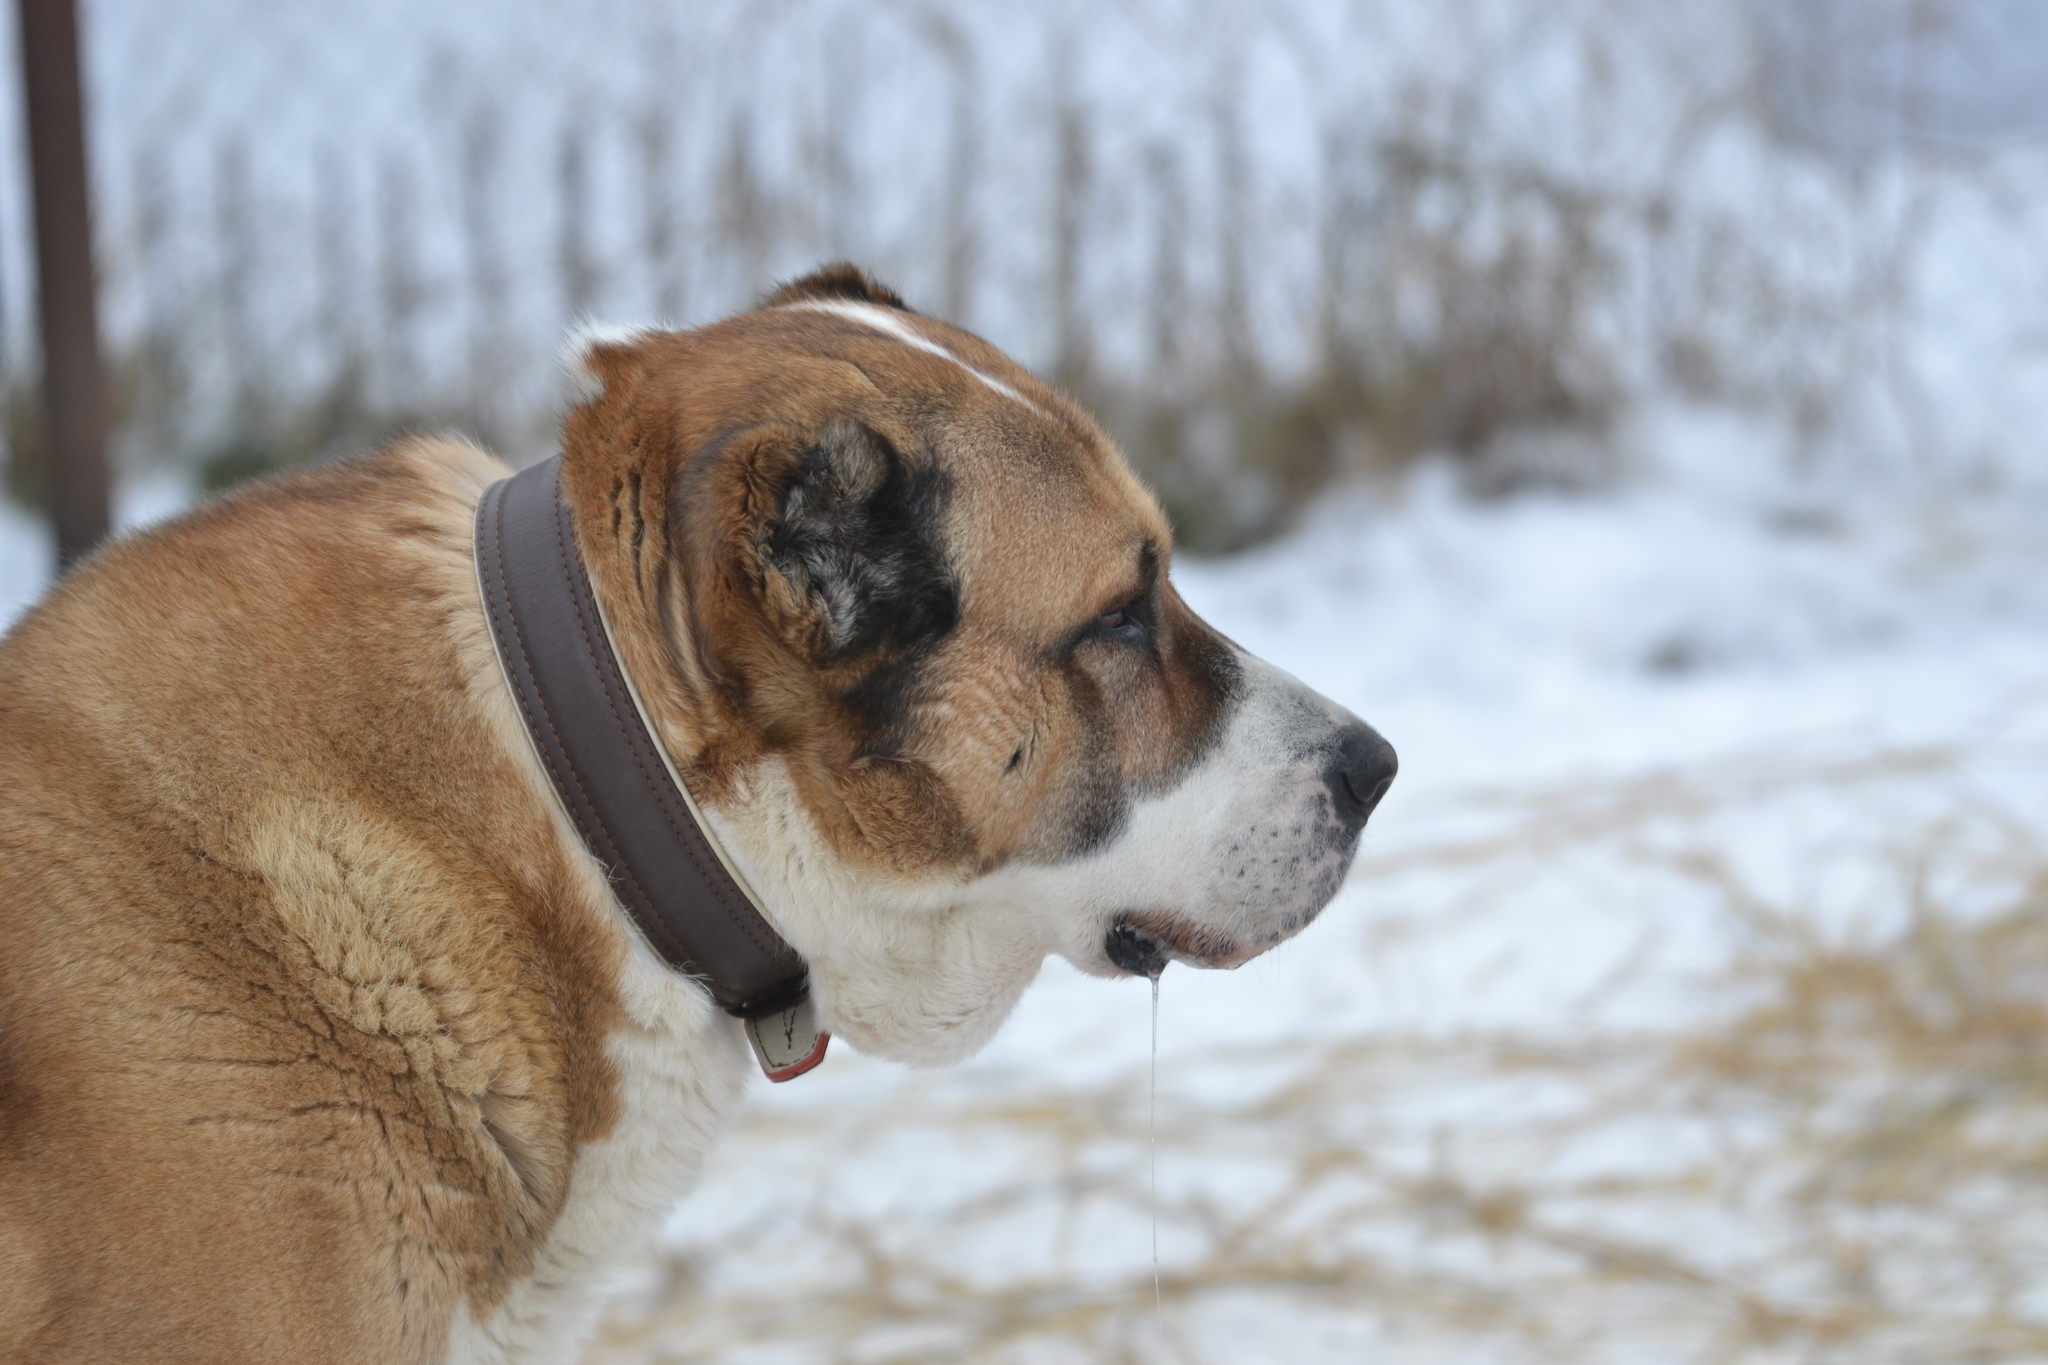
(890, 322)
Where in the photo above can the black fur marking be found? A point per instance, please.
(1209, 658)
(1098, 807)
(840, 280)
(861, 537)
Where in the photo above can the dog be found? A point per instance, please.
(325, 1035)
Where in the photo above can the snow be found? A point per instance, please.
(1805, 676)
(1768, 693)
(1800, 676)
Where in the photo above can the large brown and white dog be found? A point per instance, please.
(322, 1037)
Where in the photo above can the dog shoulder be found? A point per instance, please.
(289, 935)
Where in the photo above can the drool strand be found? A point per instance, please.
(1152, 1125)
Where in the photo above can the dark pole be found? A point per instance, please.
(74, 389)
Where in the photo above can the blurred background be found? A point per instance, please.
(1636, 410)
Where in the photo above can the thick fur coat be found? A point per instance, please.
(322, 1038)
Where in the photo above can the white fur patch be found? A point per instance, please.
(919, 970)
(925, 971)
(585, 383)
(683, 1070)
(891, 322)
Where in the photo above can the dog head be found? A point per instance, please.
(904, 619)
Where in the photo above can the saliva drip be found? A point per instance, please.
(1152, 1125)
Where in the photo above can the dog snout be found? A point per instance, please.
(1360, 768)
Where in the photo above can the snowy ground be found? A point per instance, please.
(1708, 892)
(1663, 752)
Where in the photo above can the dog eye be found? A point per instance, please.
(1124, 624)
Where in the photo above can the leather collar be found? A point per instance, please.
(615, 780)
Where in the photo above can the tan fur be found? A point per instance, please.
(302, 999)
(311, 1005)
(1047, 512)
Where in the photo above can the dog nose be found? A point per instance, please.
(1359, 771)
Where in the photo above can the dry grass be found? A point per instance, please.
(1843, 1157)
(1275, 245)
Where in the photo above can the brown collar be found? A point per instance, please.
(615, 780)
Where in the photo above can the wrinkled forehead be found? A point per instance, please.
(1043, 545)
(1046, 523)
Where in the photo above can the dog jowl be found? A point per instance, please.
(325, 1033)
(923, 602)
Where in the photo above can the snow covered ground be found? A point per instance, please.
(1664, 750)
(1720, 818)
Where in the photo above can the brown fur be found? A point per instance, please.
(1046, 522)
(304, 993)
(284, 941)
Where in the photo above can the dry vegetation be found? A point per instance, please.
(1843, 1157)
(1275, 244)
(1496, 241)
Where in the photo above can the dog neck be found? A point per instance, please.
(616, 781)
(916, 968)
(921, 971)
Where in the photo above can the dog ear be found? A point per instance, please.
(858, 543)
(840, 280)
(597, 359)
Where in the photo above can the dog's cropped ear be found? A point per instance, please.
(856, 551)
(840, 280)
(599, 359)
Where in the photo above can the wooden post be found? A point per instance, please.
(74, 388)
